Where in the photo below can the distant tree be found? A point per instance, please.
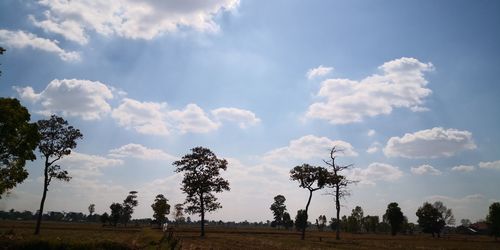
(357, 214)
(493, 219)
(18, 140)
(160, 208)
(188, 220)
(433, 218)
(91, 209)
(321, 222)
(465, 222)
(394, 217)
(370, 223)
(179, 214)
(301, 220)
(310, 178)
(2, 50)
(202, 178)
(57, 139)
(333, 223)
(116, 213)
(278, 208)
(104, 218)
(338, 182)
(128, 206)
(446, 213)
(287, 221)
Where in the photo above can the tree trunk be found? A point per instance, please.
(307, 208)
(337, 207)
(202, 208)
(44, 195)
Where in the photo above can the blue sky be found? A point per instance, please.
(408, 88)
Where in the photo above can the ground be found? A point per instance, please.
(88, 235)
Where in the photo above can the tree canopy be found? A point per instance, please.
(278, 208)
(493, 219)
(160, 208)
(394, 217)
(433, 218)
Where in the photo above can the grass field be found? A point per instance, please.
(85, 236)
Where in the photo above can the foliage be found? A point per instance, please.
(301, 220)
(91, 209)
(394, 216)
(321, 222)
(465, 222)
(202, 178)
(493, 219)
(104, 218)
(160, 208)
(433, 218)
(278, 208)
(179, 214)
(2, 50)
(370, 223)
(128, 206)
(116, 213)
(287, 221)
(18, 140)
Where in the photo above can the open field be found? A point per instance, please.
(227, 238)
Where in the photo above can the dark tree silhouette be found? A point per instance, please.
(18, 140)
(493, 219)
(394, 217)
(179, 215)
(287, 220)
(57, 139)
(104, 218)
(338, 182)
(91, 209)
(310, 178)
(116, 213)
(321, 222)
(160, 209)
(278, 208)
(2, 50)
(301, 220)
(355, 219)
(433, 218)
(202, 178)
(128, 206)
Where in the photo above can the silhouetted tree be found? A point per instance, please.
(446, 213)
(310, 178)
(202, 178)
(278, 208)
(179, 215)
(104, 218)
(18, 140)
(287, 221)
(2, 50)
(394, 217)
(321, 222)
(465, 222)
(57, 139)
(433, 218)
(160, 208)
(116, 213)
(128, 206)
(338, 182)
(91, 209)
(357, 215)
(370, 223)
(493, 219)
(301, 220)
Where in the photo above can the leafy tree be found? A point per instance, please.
(370, 223)
(310, 178)
(91, 209)
(160, 208)
(333, 223)
(18, 139)
(128, 206)
(394, 217)
(338, 182)
(433, 218)
(465, 222)
(493, 219)
(353, 225)
(201, 179)
(301, 220)
(321, 222)
(287, 221)
(104, 218)
(57, 139)
(179, 215)
(278, 208)
(116, 213)
(446, 213)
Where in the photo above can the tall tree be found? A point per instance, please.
(321, 222)
(301, 220)
(310, 178)
(160, 208)
(493, 219)
(202, 178)
(445, 212)
(338, 182)
(356, 219)
(128, 206)
(91, 209)
(278, 208)
(116, 213)
(287, 220)
(433, 218)
(394, 217)
(18, 140)
(179, 214)
(57, 139)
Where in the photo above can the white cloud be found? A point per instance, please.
(371, 132)
(374, 148)
(375, 172)
(425, 170)
(73, 97)
(141, 152)
(244, 118)
(458, 201)
(308, 147)
(85, 165)
(401, 85)
(192, 119)
(490, 165)
(430, 143)
(20, 39)
(129, 18)
(144, 117)
(319, 71)
(463, 168)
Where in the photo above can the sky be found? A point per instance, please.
(409, 90)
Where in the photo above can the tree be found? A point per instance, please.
(202, 178)
(394, 217)
(116, 213)
(18, 140)
(128, 206)
(310, 178)
(465, 222)
(446, 213)
(301, 220)
(278, 208)
(91, 209)
(287, 221)
(57, 139)
(104, 218)
(338, 182)
(321, 222)
(493, 219)
(433, 218)
(2, 50)
(370, 223)
(179, 215)
(160, 208)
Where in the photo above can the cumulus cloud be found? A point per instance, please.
(375, 172)
(319, 71)
(20, 39)
(309, 146)
(430, 143)
(400, 85)
(490, 165)
(192, 119)
(425, 170)
(463, 168)
(144, 117)
(85, 165)
(129, 18)
(72, 97)
(374, 148)
(244, 118)
(371, 132)
(141, 152)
